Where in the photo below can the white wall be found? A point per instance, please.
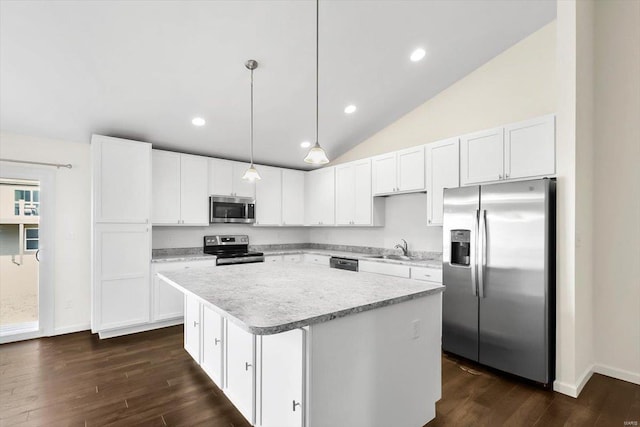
(518, 84)
(405, 218)
(72, 226)
(617, 189)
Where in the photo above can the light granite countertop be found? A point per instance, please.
(267, 298)
(183, 257)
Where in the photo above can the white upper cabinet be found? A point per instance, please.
(225, 179)
(320, 197)
(179, 189)
(481, 156)
(354, 202)
(442, 167)
(400, 171)
(520, 150)
(293, 197)
(269, 196)
(121, 180)
(530, 148)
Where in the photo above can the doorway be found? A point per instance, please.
(26, 279)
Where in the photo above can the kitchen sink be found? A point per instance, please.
(395, 257)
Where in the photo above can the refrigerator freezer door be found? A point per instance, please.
(460, 301)
(514, 302)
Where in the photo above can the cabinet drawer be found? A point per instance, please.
(382, 268)
(317, 259)
(292, 257)
(273, 258)
(427, 274)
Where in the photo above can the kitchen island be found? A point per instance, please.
(295, 344)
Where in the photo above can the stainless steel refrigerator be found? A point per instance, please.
(499, 272)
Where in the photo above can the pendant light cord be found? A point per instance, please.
(251, 118)
(317, 63)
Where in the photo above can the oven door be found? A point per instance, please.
(231, 209)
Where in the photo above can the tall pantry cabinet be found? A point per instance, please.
(121, 233)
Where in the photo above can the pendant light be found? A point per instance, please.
(316, 155)
(251, 174)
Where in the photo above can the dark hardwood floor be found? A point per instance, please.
(148, 379)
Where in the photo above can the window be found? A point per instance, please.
(31, 239)
(31, 202)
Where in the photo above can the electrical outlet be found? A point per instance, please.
(415, 329)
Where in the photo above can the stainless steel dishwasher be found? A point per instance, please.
(343, 263)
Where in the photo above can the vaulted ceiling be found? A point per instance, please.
(144, 69)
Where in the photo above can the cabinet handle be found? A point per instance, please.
(247, 365)
(294, 405)
(429, 221)
(195, 323)
(506, 175)
(216, 341)
(499, 176)
(146, 221)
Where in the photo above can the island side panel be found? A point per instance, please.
(370, 369)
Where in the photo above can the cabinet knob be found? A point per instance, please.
(294, 405)
(429, 221)
(506, 175)
(216, 341)
(195, 323)
(247, 365)
(500, 176)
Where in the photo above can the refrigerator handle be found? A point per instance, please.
(474, 255)
(482, 252)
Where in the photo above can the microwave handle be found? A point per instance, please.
(246, 210)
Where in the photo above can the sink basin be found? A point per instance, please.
(395, 257)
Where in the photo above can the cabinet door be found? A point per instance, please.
(242, 187)
(443, 162)
(220, 177)
(345, 194)
(384, 174)
(192, 326)
(269, 196)
(240, 370)
(194, 200)
(166, 187)
(530, 148)
(326, 193)
(282, 372)
(212, 345)
(122, 255)
(293, 197)
(411, 169)
(311, 198)
(482, 156)
(122, 180)
(363, 197)
(168, 302)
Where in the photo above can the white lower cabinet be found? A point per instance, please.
(241, 380)
(281, 379)
(317, 259)
(213, 342)
(397, 270)
(192, 326)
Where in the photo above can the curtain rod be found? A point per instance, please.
(58, 165)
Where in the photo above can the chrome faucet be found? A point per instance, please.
(404, 248)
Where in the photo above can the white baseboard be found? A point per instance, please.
(140, 328)
(621, 374)
(574, 390)
(72, 328)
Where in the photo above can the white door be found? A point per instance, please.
(165, 182)
(242, 187)
(326, 193)
(194, 200)
(240, 381)
(220, 177)
(530, 148)
(122, 180)
(384, 174)
(192, 326)
(482, 156)
(282, 373)
(345, 194)
(411, 169)
(269, 196)
(363, 196)
(212, 345)
(443, 162)
(121, 275)
(293, 197)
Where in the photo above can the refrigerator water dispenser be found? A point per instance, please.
(460, 247)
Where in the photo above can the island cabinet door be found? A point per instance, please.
(192, 327)
(212, 345)
(281, 386)
(240, 381)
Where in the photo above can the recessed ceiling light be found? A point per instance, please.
(350, 109)
(305, 144)
(417, 54)
(198, 121)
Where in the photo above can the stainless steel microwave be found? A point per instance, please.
(232, 209)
